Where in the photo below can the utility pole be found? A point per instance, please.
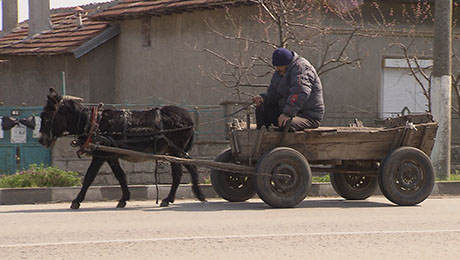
(441, 83)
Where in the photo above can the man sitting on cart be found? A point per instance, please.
(295, 92)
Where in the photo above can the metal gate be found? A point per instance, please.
(19, 146)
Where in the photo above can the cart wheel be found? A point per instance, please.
(379, 173)
(284, 179)
(353, 186)
(407, 176)
(231, 186)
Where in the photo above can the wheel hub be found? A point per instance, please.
(357, 181)
(236, 181)
(284, 176)
(409, 176)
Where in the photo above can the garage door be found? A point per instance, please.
(401, 92)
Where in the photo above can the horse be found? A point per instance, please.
(166, 130)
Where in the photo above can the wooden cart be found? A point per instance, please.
(278, 165)
(396, 158)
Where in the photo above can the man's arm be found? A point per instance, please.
(300, 89)
(271, 97)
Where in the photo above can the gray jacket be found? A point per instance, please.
(299, 92)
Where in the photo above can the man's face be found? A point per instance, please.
(281, 69)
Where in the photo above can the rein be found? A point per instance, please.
(227, 116)
(93, 126)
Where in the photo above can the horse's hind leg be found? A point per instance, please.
(176, 170)
(195, 187)
(121, 177)
(94, 167)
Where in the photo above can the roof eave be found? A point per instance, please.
(109, 33)
(123, 16)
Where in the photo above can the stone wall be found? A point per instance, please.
(64, 157)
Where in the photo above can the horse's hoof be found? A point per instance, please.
(75, 205)
(164, 203)
(202, 198)
(121, 204)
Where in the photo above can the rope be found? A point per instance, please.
(227, 116)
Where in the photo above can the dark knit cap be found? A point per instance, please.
(281, 57)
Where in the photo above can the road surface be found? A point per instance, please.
(319, 228)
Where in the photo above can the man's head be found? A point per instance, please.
(281, 58)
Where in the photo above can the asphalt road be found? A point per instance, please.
(319, 228)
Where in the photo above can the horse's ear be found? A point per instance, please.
(54, 95)
(53, 92)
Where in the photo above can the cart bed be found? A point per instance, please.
(337, 143)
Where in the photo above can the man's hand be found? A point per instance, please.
(258, 100)
(282, 120)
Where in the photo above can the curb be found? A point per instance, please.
(13, 196)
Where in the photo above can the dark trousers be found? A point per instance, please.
(268, 115)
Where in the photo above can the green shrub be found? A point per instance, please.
(322, 178)
(455, 177)
(39, 176)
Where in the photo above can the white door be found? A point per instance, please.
(400, 89)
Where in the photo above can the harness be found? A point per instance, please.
(93, 125)
(92, 133)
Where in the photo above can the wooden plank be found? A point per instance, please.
(316, 138)
(397, 139)
(256, 147)
(428, 139)
(348, 151)
(368, 172)
(337, 143)
(324, 152)
(231, 167)
(409, 137)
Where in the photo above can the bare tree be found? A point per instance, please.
(299, 25)
(418, 72)
(328, 33)
(419, 13)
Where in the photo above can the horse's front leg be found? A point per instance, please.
(195, 187)
(121, 177)
(93, 169)
(176, 170)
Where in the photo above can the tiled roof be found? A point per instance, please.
(126, 9)
(64, 36)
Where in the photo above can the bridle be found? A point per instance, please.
(52, 115)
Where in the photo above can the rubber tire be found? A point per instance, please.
(266, 186)
(344, 189)
(379, 173)
(413, 159)
(220, 181)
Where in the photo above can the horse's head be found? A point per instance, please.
(54, 117)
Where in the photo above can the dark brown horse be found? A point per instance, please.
(162, 130)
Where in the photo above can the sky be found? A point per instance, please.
(23, 6)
